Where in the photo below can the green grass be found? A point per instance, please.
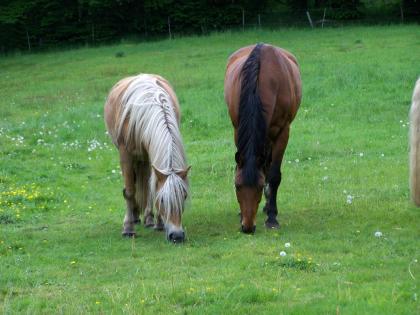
(61, 206)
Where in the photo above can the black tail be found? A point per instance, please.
(252, 126)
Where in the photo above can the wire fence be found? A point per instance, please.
(98, 31)
(317, 18)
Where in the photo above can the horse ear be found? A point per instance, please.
(160, 176)
(183, 174)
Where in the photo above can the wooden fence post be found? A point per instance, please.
(259, 20)
(309, 18)
(169, 27)
(243, 19)
(323, 19)
(402, 13)
(28, 39)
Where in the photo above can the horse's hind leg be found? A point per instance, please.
(274, 179)
(127, 167)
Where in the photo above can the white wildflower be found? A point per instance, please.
(93, 145)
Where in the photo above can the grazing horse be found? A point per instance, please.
(415, 145)
(142, 118)
(263, 92)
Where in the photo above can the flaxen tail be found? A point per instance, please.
(415, 145)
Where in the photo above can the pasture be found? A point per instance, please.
(345, 177)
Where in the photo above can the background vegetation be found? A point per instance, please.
(40, 24)
(344, 202)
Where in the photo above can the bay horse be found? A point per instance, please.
(142, 117)
(415, 145)
(263, 91)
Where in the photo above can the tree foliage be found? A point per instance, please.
(25, 24)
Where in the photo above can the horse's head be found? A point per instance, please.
(248, 194)
(171, 193)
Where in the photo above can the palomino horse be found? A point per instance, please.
(415, 145)
(263, 93)
(142, 118)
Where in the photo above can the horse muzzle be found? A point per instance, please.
(176, 237)
(248, 230)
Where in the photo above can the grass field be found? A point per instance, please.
(345, 177)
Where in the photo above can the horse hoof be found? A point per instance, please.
(129, 234)
(138, 221)
(148, 222)
(272, 224)
(158, 227)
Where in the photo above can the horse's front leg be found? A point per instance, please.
(127, 167)
(144, 198)
(274, 179)
(149, 220)
(159, 226)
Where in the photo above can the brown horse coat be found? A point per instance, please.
(279, 89)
